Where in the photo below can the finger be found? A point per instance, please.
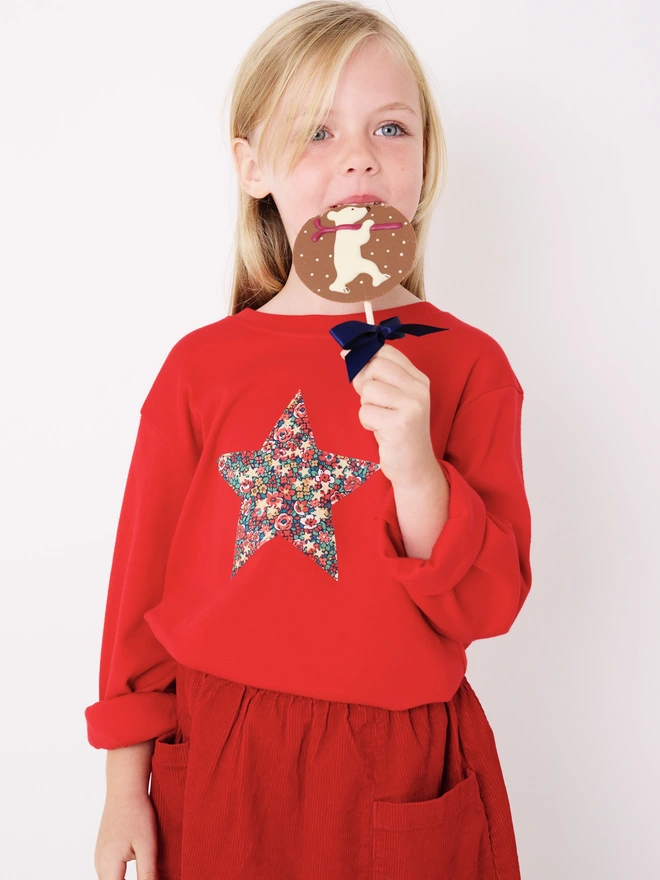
(383, 394)
(362, 375)
(389, 369)
(110, 869)
(146, 862)
(395, 355)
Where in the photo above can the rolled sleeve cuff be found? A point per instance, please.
(130, 718)
(455, 549)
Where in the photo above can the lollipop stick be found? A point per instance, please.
(369, 311)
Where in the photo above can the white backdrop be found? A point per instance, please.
(116, 215)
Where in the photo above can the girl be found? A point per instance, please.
(301, 561)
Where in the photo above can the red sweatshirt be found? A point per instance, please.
(258, 538)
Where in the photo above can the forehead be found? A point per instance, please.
(398, 106)
(374, 78)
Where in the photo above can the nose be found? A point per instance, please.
(358, 156)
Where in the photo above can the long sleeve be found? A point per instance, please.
(478, 575)
(135, 670)
(136, 677)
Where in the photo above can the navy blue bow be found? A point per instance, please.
(365, 339)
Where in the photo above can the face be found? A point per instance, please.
(360, 149)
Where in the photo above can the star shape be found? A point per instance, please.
(288, 487)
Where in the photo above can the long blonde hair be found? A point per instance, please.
(314, 38)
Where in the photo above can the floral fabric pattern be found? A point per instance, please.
(288, 487)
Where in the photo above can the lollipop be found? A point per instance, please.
(356, 253)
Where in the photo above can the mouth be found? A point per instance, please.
(366, 200)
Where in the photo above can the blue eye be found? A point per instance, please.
(395, 125)
(404, 131)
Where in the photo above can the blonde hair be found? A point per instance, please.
(317, 37)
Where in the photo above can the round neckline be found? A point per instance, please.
(319, 324)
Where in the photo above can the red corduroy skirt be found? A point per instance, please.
(263, 785)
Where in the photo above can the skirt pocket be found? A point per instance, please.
(169, 766)
(445, 837)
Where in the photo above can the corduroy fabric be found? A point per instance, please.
(263, 784)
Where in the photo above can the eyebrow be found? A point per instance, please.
(394, 105)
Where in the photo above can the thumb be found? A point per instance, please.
(146, 863)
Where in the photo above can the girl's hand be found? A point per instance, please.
(127, 832)
(396, 406)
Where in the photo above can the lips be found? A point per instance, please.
(360, 199)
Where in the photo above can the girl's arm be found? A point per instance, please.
(128, 826)
(422, 510)
(458, 541)
(127, 771)
(136, 672)
(137, 702)
(472, 581)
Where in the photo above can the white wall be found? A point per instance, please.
(115, 232)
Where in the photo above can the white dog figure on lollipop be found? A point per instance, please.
(348, 260)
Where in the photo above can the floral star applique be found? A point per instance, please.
(288, 487)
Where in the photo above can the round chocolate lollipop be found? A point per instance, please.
(355, 253)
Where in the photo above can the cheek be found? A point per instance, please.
(309, 187)
(310, 172)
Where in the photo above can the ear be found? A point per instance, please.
(250, 175)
